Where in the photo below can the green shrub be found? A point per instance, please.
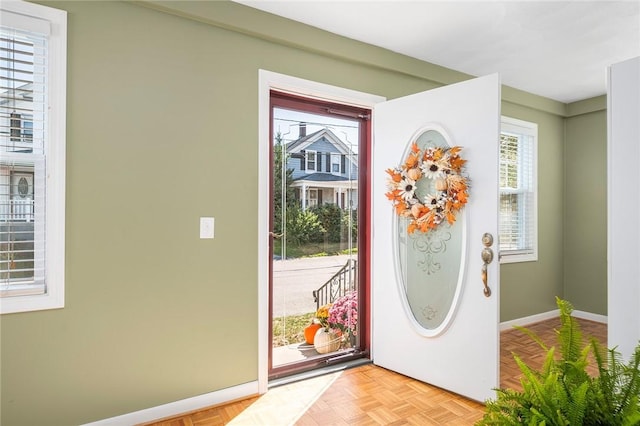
(303, 226)
(350, 219)
(330, 216)
(336, 222)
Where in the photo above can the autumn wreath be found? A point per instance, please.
(444, 166)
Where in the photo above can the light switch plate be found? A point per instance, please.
(207, 225)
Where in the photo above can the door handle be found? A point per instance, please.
(487, 258)
(276, 236)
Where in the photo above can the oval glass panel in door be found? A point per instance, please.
(430, 265)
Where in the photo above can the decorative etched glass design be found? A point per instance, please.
(431, 264)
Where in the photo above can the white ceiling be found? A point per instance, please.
(556, 49)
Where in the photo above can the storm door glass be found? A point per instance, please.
(315, 207)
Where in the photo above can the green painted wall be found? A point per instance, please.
(530, 288)
(585, 220)
(162, 129)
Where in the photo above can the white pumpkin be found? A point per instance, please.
(326, 341)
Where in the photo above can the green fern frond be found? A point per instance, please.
(632, 420)
(533, 336)
(606, 383)
(563, 393)
(577, 407)
(631, 379)
(617, 389)
(569, 335)
(507, 409)
(549, 364)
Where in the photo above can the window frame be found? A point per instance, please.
(336, 164)
(20, 131)
(38, 16)
(514, 126)
(308, 161)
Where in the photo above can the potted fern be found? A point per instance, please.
(563, 393)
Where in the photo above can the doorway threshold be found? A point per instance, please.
(318, 372)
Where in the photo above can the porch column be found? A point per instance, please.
(304, 196)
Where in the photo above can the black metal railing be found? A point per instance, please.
(341, 283)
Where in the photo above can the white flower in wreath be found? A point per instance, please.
(433, 169)
(433, 202)
(407, 188)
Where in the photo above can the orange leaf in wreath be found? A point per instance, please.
(395, 176)
(457, 163)
(428, 223)
(393, 195)
(400, 208)
(451, 218)
(412, 227)
(412, 161)
(414, 147)
(456, 205)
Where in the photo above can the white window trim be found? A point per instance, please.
(55, 151)
(521, 127)
(336, 160)
(306, 160)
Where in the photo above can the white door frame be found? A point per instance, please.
(267, 81)
(623, 226)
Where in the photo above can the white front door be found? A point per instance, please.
(431, 319)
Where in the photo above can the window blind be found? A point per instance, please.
(23, 114)
(517, 194)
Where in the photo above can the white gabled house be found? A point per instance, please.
(325, 170)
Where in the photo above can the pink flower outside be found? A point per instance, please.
(343, 314)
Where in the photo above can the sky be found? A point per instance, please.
(287, 122)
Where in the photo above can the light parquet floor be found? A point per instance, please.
(516, 342)
(371, 395)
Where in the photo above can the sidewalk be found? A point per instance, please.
(294, 281)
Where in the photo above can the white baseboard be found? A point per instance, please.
(182, 406)
(525, 321)
(591, 317)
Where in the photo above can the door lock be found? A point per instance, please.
(487, 258)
